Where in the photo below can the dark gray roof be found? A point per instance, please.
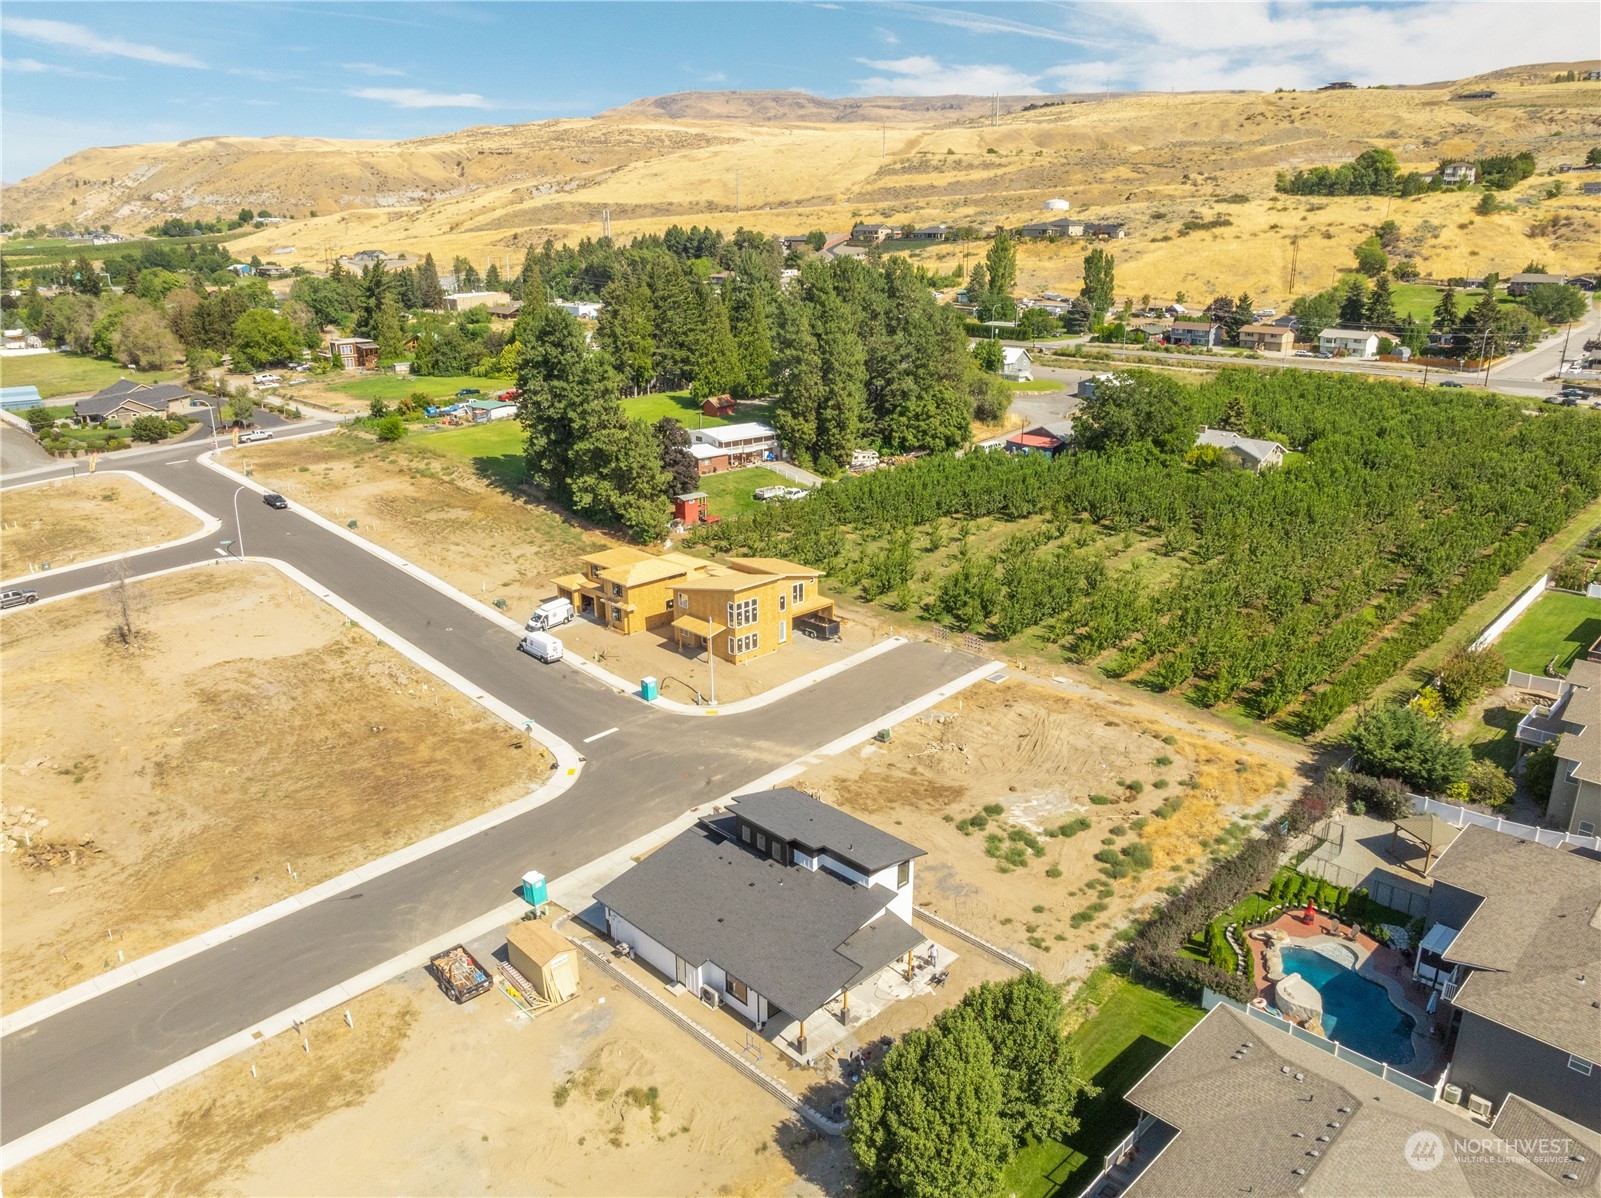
(1238, 1111)
(156, 395)
(795, 816)
(793, 935)
(1581, 720)
(1534, 942)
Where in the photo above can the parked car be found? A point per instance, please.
(1571, 401)
(1553, 399)
(466, 392)
(1451, 383)
(1323, 353)
(1574, 393)
(266, 380)
(541, 646)
(795, 492)
(274, 500)
(763, 494)
(18, 598)
(255, 434)
(1304, 353)
(550, 614)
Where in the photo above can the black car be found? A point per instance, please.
(466, 391)
(1450, 383)
(274, 500)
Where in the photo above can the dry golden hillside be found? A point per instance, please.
(786, 162)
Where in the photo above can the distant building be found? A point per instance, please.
(1267, 338)
(583, 309)
(1459, 172)
(356, 353)
(1194, 332)
(742, 444)
(1061, 227)
(872, 234)
(1016, 365)
(1111, 231)
(1478, 95)
(1522, 284)
(1048, 439)
(1590, 189)
(932, 233)
(463, 300)
(1254, 454)
(1341, 86)
(126, 400)
(1056, 205)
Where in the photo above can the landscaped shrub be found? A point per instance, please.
(1381, 798)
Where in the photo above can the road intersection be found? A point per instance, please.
(643, 767)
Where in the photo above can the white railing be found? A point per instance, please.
(1461, 817)
(1555, 687)
(1528, 734)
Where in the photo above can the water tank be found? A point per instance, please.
(1056, 205)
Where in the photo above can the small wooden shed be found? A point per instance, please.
(545, 957)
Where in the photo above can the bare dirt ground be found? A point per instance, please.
(81, 518)
(688, 679)
(158, 792)
(431, 509)
(424, 1097)
(1033, 756)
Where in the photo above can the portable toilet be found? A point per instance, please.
(546, 958)
(648, 689)
(534, 891)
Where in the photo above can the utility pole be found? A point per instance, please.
(1295, 256)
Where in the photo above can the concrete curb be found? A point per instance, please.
(208, 524)
(63, 1129)
(568, 764)
(584, 666)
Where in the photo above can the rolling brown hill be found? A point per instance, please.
(786, 162)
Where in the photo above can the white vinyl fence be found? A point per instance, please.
(1504, 621)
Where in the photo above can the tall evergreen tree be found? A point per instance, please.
(492, 278)
(798, 379)
(1099, 282)
(678, 317)
(842, 405)
(683, 473)
(1446, 317)
(718, 369)
(562, 392)
(1238, 318)
(430, 294)
(978, 282)
(1354, 305)
(1380, 311)
(625, 333)
(371, 292)
(616, 472)
(1002, 262)
(749, 318)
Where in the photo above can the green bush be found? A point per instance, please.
(1136, 786)
(994, 809)
(150, 429)
(1100, 800)
(994, 844)
(1138, 855)
(979, 821)
(1074, 826)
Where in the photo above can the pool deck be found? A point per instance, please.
(1376, 962)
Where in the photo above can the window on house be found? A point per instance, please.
(742, 644)
(798, 591)
(617, 615)
(736, 989)
(783, 631)
(744, 833)
(669, 603)
(782, 602)
(1580, 1065)
(683, 599)
(903, 875)
(1586, 828)
(742, 613)
(617, 589)
(761, 842)
(780, 852)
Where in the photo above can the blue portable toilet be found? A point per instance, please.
(534, 891)
(648, 689)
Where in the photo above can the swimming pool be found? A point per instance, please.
(1356, 1012)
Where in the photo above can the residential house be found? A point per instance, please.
(872, 234)
(776, 909)
(271, 270)
(1522, 284)
(1016, 365)
(583, 309)
(242, 268)
(1086, 386)
(1519, 925)
(710, 459)
(126, 400)
(482, 411)
(795, 241)
(627, 590)
(1250, 452)
(932, 233)
(1351, 343)
(749, 607)
(1061, 227)
(743, 444)
(369, 257)
(461, 301)
(357, 353)
(1476, 95)
(507, 310)
(1108, 230)
(1575, 802)
(1048, 439)
(1459, 172)
(1267, 338)
(720, 406)
(1590, 189)
(1592, 76)
(105, 238)
(1242, 1105)
(1195, 332)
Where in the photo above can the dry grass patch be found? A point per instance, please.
(433, 509)
(78, 519)
(250, 731)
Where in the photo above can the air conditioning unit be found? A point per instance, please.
(1451, 1093)
(1479, 1107)
(710, 997)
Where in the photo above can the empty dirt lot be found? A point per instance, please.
(431, 508)
(1024, 760)
(158, 791)
(81, 518)
(600, 1096)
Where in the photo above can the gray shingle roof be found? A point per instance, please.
(1581, 715)
(795, 816)
(1238, 1115)
(793, 935)
(104, 402)
(1253, 448)
(1532, 939)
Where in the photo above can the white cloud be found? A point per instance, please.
(416, 97)
(87, 41)
(886, 36)
(922, 75)
(986, 22)
(32, 66)
(372, 68)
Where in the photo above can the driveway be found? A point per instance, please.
(19, 451)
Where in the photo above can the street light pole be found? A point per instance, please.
(238, 527)
(211, 412)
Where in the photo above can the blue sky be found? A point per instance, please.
(81, 74)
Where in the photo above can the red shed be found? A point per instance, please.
(718, 405)
(690, 508)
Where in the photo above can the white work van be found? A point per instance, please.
(541, 645)
(550, 614)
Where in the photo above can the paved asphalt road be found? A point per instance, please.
(653, 769)
(19, 451)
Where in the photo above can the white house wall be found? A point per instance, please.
(713, 975)
(656, 955)
(902, 904)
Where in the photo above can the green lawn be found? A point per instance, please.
(70, 374)
(679, 405)
(730, 493)
(1559, 626)
(397, 386)
(1131, 1030)
(495, 449)
(1034, 385)
(1415, 300)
